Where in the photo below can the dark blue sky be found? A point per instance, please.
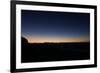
(54, 24)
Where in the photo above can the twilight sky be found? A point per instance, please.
(47, 26)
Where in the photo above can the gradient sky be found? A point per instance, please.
(47, 26)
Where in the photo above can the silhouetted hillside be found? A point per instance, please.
(41, 52)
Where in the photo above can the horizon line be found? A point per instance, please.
(56, 42)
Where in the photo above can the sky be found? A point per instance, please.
(49, 26)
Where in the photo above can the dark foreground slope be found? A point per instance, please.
(41, 52)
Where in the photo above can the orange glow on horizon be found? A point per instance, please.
(56, 39)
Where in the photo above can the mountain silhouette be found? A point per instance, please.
(51, 51)
(24, 42)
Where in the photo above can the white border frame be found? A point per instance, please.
(20, 65)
